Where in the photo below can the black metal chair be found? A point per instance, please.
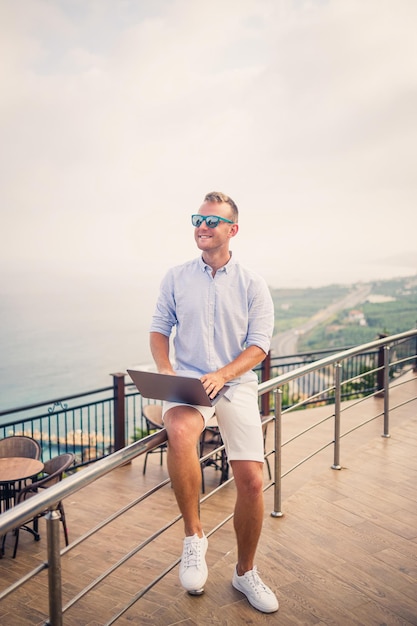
(152, 414)
(53, 473)
(20, 445)
(210, 440)
(265, 432)
(15, 446)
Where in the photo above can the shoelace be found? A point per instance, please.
(192, 555)
(255, 582)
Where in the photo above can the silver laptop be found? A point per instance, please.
(173, 388)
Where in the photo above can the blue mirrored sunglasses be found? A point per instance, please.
(211, 220)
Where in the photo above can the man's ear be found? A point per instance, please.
(234, 230)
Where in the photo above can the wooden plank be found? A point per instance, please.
(345, 551)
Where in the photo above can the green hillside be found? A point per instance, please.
(391, 308)
(293, 307)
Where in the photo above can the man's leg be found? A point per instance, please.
(248, 520)
(184, 425)
(249, 511)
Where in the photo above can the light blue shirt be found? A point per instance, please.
(214, 318)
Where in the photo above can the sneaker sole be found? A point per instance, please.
(196, 592)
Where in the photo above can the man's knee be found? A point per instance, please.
(183, 425)
(248, 477)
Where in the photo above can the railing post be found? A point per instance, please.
(380, 372)
(277, 457)
(266, 375)
(337, 398)
(53, 518)
(119, 410)
(386, 391)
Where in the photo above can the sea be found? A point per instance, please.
(67, 335)
(60, 341)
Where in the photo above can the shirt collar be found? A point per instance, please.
(226, 268)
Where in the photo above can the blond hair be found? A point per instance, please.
(218, 196)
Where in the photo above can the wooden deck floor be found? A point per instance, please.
(344, 553)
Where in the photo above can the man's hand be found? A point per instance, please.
(212, 383)
(167, 370)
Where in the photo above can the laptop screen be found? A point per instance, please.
(173, 388)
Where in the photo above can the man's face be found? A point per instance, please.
(218, 237)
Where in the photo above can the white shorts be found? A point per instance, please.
(239, 422)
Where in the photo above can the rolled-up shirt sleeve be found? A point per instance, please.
(164, 316)
(261, 316)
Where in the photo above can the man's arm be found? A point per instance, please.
(247, 360)
(159, 344)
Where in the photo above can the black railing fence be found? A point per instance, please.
(93, 424)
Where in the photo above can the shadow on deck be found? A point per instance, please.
(345, 552)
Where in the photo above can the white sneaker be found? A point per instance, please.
(259, 595)
(193, 567)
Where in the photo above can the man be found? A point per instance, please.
(223, 318)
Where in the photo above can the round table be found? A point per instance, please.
(15, 468)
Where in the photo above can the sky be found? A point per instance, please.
(118, 116)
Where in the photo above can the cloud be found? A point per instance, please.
(114, 124)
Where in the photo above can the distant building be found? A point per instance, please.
(379, 299)
(356, 317)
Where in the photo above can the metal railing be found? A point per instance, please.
(91, 425)
(48, 500)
